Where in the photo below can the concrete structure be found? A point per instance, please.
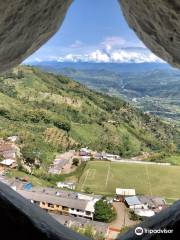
(24, 220)
(24, 27)
(125, 192)
(154, 203)
(133, 203)
(79, 222)
(8, 163)
(84, 152)
(144, 212)
(110, 156)
(13, 138)
(61, 205)
(68, 185)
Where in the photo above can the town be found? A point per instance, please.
(77, 209)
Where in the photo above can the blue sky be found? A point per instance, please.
(94, 30)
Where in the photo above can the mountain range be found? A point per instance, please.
(152, 87)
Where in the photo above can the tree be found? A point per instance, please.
(104, 211)
(66, 126)
(75, 162)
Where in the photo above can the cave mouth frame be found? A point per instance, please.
(24, 27)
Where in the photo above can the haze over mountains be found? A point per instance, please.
(153, 87)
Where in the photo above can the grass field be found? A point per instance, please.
(102, 177)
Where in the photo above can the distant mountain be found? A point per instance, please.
(153, 87)
(52, 113)
(113, 67)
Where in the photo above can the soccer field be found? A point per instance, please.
(103, 177)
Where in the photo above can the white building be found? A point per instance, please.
(125, 192)
(68, 185)
(13, 138)
(134, 203)
(8, 163)
(144, 212)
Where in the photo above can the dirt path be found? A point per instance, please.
(122, 216)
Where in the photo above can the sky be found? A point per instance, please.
(94, 31)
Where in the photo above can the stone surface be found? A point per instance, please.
(157, 24)
(20, 219)
(25, 25)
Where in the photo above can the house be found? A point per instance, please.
(134, 202)
(121, 193)
(84, 152)
(98, 155)
(125, 192)
(154, 203)
(8, 163)
(59, 204)
(110, 156)
(68, 185)
(19, 183)
(85, 158)
(13, 138)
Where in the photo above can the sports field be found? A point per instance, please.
(103, 177)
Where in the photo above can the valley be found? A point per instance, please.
(153, 88)
(74, 147)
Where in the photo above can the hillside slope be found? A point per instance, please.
(52, 113)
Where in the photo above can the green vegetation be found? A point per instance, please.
(173, 159)
(89, 232)
(134, 217)
(75, 162)
(34, 180)
(51, 113)
(104, 177)
(156, 88)
(104, 211)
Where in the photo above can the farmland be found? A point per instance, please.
(102, 177)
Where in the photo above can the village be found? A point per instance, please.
(77, 209)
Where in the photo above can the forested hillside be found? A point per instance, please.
(52, 113)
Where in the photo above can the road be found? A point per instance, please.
(139, 162)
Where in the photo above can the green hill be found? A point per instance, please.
(52, 113)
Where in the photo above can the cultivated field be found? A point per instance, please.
(102, 177)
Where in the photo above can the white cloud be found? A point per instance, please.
(111, 50)
(119, 56)
(98, 56)
(76, 44)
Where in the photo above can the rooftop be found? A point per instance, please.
(66, 202)
(125, 192)
(7, 162)
(152, 201)
(80, 222)
(131, 201)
